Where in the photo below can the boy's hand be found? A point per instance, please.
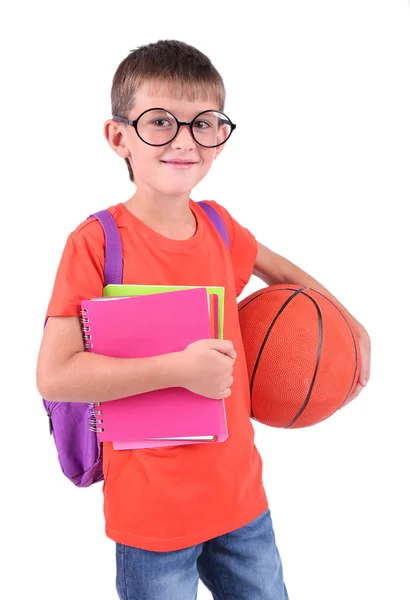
(365, 351)
(208, 367)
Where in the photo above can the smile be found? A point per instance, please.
(179, 164)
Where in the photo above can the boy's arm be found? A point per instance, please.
(66, 373)
(274, 269)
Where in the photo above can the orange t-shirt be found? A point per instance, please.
(170, 498)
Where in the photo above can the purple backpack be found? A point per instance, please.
(78, 447)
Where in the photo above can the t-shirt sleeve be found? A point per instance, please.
(244, 248)
(80, 274)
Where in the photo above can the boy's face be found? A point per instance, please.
(153, 168)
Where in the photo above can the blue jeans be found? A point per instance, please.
(241, 565)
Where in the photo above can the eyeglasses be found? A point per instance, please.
(158, 127)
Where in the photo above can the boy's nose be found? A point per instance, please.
(184, 138)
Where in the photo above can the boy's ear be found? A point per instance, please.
(115, 135)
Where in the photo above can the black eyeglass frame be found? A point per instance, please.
(179, 125)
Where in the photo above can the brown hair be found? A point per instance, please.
(187, 70)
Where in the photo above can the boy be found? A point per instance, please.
(180, 512)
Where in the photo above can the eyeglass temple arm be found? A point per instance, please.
(122, 120)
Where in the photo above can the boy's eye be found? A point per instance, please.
(202, 125)
(161, 122)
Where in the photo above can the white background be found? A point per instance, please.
(318, 170)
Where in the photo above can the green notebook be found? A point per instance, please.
(114, 289)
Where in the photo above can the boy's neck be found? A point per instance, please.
(170, 217)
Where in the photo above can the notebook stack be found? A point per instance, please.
(145, 321)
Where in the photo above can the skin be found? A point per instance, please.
(163, 191)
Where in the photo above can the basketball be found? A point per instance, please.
(302, 355)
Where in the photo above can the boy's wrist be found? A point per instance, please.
(169, 368)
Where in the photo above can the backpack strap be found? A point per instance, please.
(216, 221)
(113, 247)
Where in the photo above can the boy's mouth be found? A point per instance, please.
(180, 164)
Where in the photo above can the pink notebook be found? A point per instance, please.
(142, 326)
(134, 445)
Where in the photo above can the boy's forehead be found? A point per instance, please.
(174, 97)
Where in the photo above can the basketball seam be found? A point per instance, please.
(268, 291)
(284, 305)
(318, 356)
(257, 295)
(354, 344)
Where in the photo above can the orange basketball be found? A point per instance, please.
(302, 354)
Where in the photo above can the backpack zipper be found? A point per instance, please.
(50, 423)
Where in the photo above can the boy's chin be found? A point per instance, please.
(176, 193)
(176, 190)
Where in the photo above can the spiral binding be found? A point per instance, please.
(93, 410)
(93, 421)
(86, 335)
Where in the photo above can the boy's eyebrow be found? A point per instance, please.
(173, 111)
